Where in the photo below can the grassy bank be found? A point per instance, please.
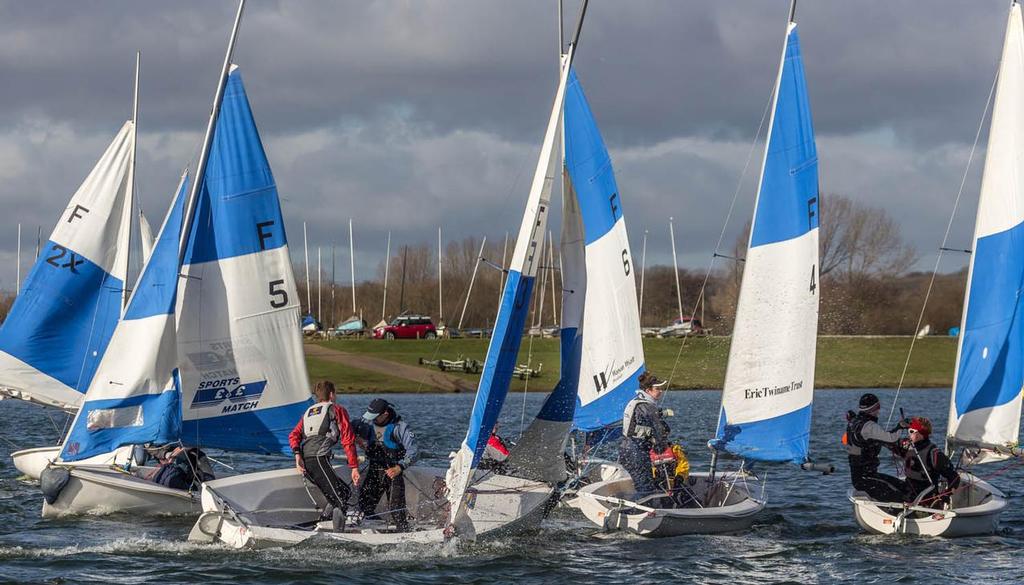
(842, 362)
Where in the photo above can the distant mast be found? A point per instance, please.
(309, 296)
(387, 267)
(675, 266)
(643, 271)
(352, 263)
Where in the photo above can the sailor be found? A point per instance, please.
(643, 431)
(925, 465)
(312, 440)
(390, 450)
(864, 440)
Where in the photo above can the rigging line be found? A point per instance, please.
(945, 238)
(725, 226)
(526, 388)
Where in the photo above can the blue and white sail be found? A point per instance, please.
(613, 353)
(243, 372)
(515, 303)
(769, 381)
(985, 407)
(134, 397)
(59, 326)
(540, 452)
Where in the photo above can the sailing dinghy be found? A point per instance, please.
(274, 508)
(62, 320)
(985, 405)
(216, 360)
(766, 401)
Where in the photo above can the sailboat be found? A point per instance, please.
(61, 322)
(218, 362)
(985, 404)
(766, 402)
(274, 508)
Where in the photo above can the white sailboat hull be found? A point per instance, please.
(104, 490)
(32, 462)
(728, 508)
(975, 511)
(274, 508)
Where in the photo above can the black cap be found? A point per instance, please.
(377, 406)
(868, 401)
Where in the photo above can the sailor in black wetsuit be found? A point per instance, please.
(925, 465)
(390, 449)
(864, 440)
(643, 430)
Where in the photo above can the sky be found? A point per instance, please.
(407, 115)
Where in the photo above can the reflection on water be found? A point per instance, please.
(807, 534)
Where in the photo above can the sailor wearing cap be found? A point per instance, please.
(643, 430)
(390, 450)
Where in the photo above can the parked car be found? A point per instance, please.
(407, 327)
(682, 327)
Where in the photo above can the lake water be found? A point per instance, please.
(806, 535)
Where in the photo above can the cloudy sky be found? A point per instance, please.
(410, 114)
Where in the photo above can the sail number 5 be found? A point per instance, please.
(277, 291)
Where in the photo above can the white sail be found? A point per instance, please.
(145, 237)
(985, 406)
(769, 382)
(60, 324)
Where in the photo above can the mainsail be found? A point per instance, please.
(243, 373)
(134, 397)
(985, 407)
(508, 328)
(613, 353)
(59, 326)
(769, 383)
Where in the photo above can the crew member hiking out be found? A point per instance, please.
(643, 431)
(390, 449)
(864, 440)
(925, 465)
(312, 440)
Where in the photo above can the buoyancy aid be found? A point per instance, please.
(862, 451)
(920, 464)
(631, 426)
(318, 437)
(383, 450)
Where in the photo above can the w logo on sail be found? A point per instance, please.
(600, 382)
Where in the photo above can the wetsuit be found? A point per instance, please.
(322, 426)
(643, 429)
(386, 446)
(925, 466)
(864, 441)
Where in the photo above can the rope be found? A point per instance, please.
(526, 387)
(721, 235)
(945, 238)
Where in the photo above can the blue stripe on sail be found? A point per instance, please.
(787, 206)
(991, 369)
(261, 431)
(238, 211)
(160, 423)
(608, 409)
(158, 286)
(589, 165)
(500, 362)
(782, 438)
(62, 321)
(561, 403)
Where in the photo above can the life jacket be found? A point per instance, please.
(862, 451)
(918, 460)
(631, 428)
(382, 450)
(316, 430)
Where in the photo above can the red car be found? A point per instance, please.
(407, 327)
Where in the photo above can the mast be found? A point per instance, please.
(675, 266)
(440, 294)
(334, 276)
(387, 266)
(126, 217)
(472, 279)
(17, 264)
(204, 154)
(504, 270)
(352, 263)
(551, 267)
(305, 244)
(643, 270)
(319, 288)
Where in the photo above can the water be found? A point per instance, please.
(807, 535)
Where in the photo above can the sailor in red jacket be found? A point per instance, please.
(322, 426)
